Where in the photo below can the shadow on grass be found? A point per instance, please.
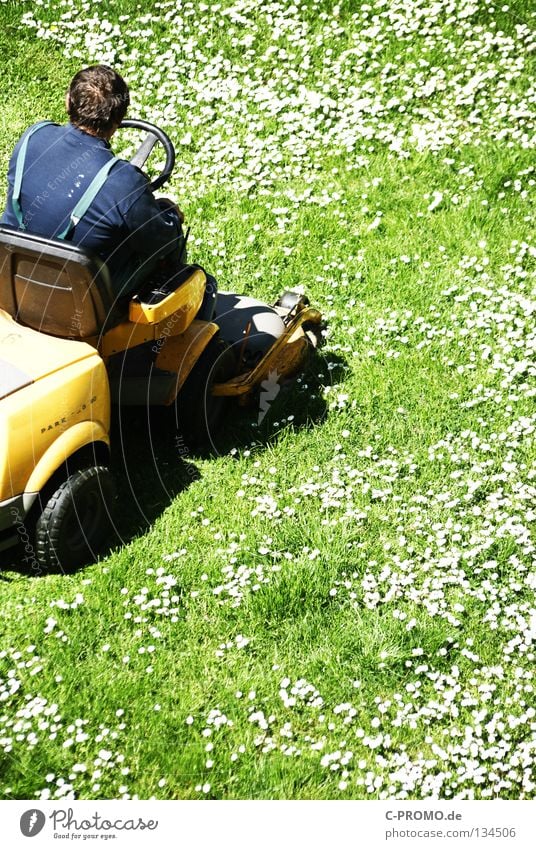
(296, 403)
(152, 464)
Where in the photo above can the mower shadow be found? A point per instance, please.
(152, 464)
(297, 404)
(147, 467)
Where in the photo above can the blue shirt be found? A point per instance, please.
(124, 224)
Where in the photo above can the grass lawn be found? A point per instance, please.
(339, 602)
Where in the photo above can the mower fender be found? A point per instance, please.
(68, 443)
(13, 511)
(179, 354)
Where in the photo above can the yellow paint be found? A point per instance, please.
(78, 436)
(181, 353)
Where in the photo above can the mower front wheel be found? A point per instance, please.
(198, 412)
(75, 520)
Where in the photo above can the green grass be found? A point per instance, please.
(357, 485)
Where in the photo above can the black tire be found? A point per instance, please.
(76, 520)
(199, 413)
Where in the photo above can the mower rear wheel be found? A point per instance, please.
(75, 520)
(198, 412)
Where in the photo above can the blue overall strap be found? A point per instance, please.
(88, 197)
(19, 171)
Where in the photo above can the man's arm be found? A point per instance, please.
(154, 230)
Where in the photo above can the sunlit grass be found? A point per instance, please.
(342, 603)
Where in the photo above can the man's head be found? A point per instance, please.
(97, 100)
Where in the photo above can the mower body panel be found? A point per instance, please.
(179, 354)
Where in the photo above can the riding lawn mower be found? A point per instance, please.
(69, 350)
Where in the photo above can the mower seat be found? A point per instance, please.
(53, 286)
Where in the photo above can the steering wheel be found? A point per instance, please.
(154, 135)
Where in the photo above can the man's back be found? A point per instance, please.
(123, 224)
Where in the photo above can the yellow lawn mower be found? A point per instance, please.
(68, 350)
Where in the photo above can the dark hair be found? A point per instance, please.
(98, 98)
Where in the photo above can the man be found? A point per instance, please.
(64, 182)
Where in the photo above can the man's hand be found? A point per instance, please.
(167, 203)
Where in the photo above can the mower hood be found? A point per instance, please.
(12, 378)
(27, 356)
